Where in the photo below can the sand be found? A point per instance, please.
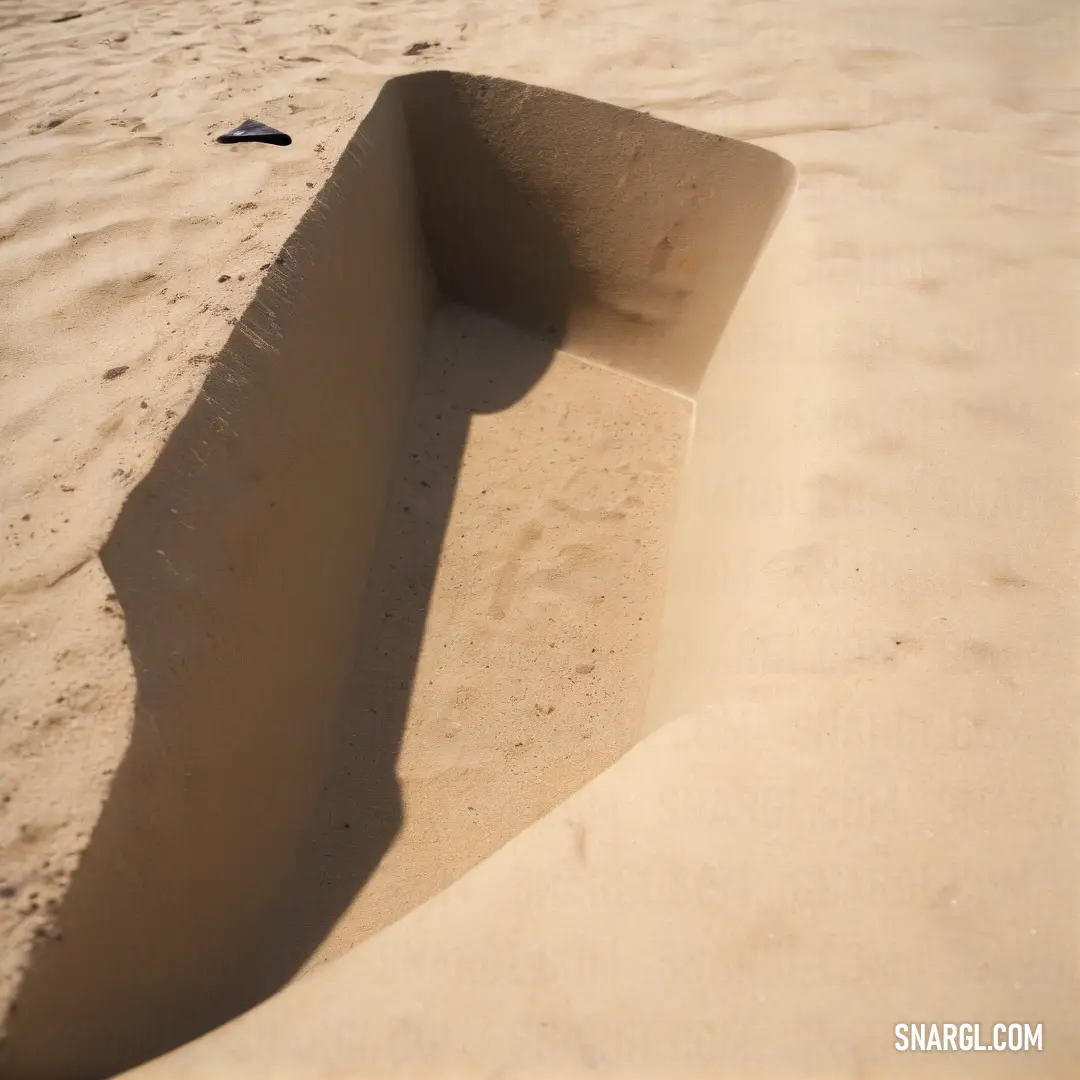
(308, 557)
(532, 648)
(876, 538)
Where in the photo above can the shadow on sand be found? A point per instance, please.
(275, 566)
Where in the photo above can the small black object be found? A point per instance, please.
(253, 131)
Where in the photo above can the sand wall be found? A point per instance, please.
(242, 561)
(736, 488)
(628, 237)
(239, 563)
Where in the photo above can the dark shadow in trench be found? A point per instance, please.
(473, 363)
(274, 570)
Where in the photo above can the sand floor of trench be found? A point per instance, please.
(510, 617)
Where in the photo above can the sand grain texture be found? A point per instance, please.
(533, 644)
(874, 556)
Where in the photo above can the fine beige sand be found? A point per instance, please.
(335, 554)
(392, 587)
(532, 646)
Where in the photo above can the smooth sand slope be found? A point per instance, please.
(867, 643)
(668, 920)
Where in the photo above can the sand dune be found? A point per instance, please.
(874, 550)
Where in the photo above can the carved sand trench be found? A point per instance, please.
(393, 587)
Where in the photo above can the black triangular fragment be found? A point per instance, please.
(253, 131)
